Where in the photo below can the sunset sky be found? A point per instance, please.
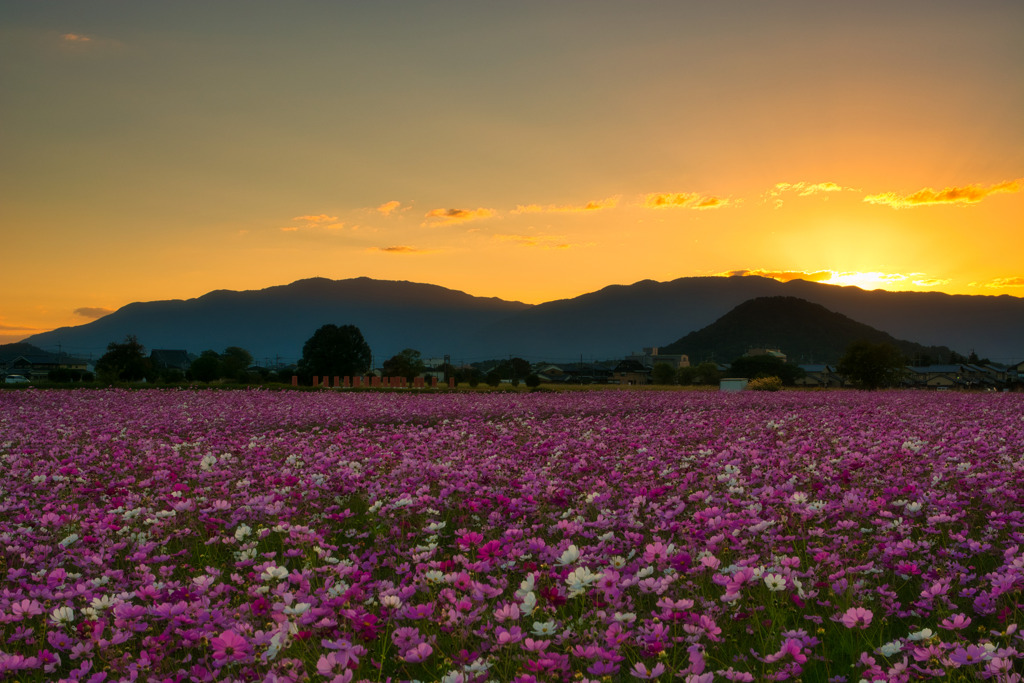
(525, 150)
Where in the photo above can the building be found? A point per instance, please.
(649, 357)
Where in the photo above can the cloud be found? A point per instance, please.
(450, 216)
(18, 328)
(969, 194)
(865, 280)
(316, 220)
(596, 205)
(399, 249)
(784, 275)
(320, 221)
(1001, 282)
(803, 189)
(76, 38)
(92, 312)
(683, 200)
(538, 241)
(387, 207)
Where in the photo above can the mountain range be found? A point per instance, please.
(273, 323)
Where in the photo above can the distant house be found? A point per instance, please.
(37, 365)
(631, 372)
(170, 359)
(819, 376)
(649, 357)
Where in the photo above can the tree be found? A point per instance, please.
(533, 380)
(753, 367)
(662, 373)
(124, 362)
(514, 369)
(334, 350)
(407, 363)
(206, 368)
(707, 373)
(235, 362)
(872, 366)
(686, 375)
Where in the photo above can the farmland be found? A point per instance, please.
(289, 536)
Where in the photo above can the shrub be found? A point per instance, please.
(765, 384)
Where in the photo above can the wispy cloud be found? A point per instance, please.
(76, 38)
(803, 189)
(320, 221)
(968, 194)
(18, 328)
(684, 200)
(538, 241)
(1001, 282)
(450, 216)
(866, 280)
(399, 249)
(596, 205)
(932, 282)
(784, 275)
(316, 220)
(387, 208)
(93, 312)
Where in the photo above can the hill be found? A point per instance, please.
(804, 331)
(609, 323)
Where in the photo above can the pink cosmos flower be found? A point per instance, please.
(966, 657)
(418, 653)
(229, 647)
(640, 670)
(857, 616)
(26, 609)
(956, 622)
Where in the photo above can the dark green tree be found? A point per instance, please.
(334, 350)
(686, 375)
(707, 373)
(753, 367)
(206, 368)
(532, 380)
(124, 362)
(407, 363)
(493, 378)
(235, 362)
(514, 369)
(872, 366)
(663, 373)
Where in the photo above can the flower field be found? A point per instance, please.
(173, 535)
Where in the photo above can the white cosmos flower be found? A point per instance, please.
(297, 609)
(529, 603)
(571, 554)
(273, 572)
(62, 615)
(544, 628)
(775, 582)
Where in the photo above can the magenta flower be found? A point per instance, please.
(640, 670)
(966, 657)
(857, 617)
(956, 622)
(229, 647)
(418, 653)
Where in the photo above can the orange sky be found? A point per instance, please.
(528, 150)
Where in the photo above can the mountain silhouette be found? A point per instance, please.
(804, 331)
(273, 323)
